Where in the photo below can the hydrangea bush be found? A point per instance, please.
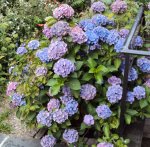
(70, 80)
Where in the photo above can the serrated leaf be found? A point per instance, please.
(54, 90)
(79, 65)
(143, 103)
(131, 112)
(87, 77)
(52, 82)
(74, 84)
(91, 63)
(117, 63)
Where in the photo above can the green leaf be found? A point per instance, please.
(79, 65)
(99, 78)
(101, 68)
(117, 63)
(83, 126)
(92, 70)
(74, 84)
(127, 119)
(54, 90)
(131, 112)
(87, 77)
(143, 103)
(52, 82)
(91, 63)
(106, 130)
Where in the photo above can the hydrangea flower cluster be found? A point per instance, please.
(43, 55)
(53, 104)
(88, 120)
(105, 144)
(70, 135)
(138, 42)
(21, 50)
(119, 45)
(78, 35)
(11, 87)
(130, 97)
(87, 92)
(86, 24)
(60, 116)
(124, 33)
(139, 92)
(113, 80)
(66, 91)
(47, 31)
(103, 111)
(66, 98)
(41, 71)
(33, 44)
(63, 11)
(133, 75)
(17, 100)
(98, 6)
(57, 49)
(114, 93)
(44, 118)
(99, 20)
(119, 6)
(63, 67)
(48, 141)
(144, 64)
(71, 107)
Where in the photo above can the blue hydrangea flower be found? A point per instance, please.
(21, 50)
(138, 42)
(86, 24)
(43, 55)
(139, 92)
(48, 141)
(103, 111)
(144, 64)
(71, 107)
(133, 75)
(99, 20)
(33, 44)
(70, 135)
(88, 120)
(119, 45)
(130, 97)
(66, 98)
(44, 118)
(17, 100)
(114, 93)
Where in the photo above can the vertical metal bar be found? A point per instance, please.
(124, 95)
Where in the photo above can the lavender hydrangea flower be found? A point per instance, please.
(17, 99)
(139, 92)
(119, 6)
(63, 67)
(21, 50)
(99, 20)
(60, 116)
(48, 141)
(66, 90)
(148, 5)
(44, 118)
(114, 93)
(124, 33)
(130, 97)
(105, 144)
(33, 44)
(147, 83)
(41, 71)
(86, 24)
(59, 29)
(87, 92)
(103, 111)
(47, 32)
(53, 104)
(119, 45)
(78, 35)
(113, 80)
(57, 49)
(94, 46)
(66, 98)
(63, 11)
(71, 107)
(144, 64)
(133, 75)
(43, 55)
(88, 120)
(138, 42)
(11, 87)
(98, 6)
(70, 135)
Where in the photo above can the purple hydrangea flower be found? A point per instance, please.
(88, 120)
(98, 6)
(86, 24)
(59, 29)
(103, 111)
(43, 55)
(105, 144)
(11, 87)
(99, 20)
(60, 116)
(63, 11)
(148, 5)
(124, 33)
(133, 75)
(147, 83)
(119, 6)
(57, 49)
(44, 118)
(113, 80)
(119, 45)
(33, 44)
(139, 92)
(66, 91)
(47, 32)
(48, 141)
(71, 107)
(87, 92)
(130, 97)
(21, 50)
(138, 42)
(26, 69)
(64, 67)
(95, 46)
(17, 99)
(144, 64)
(53, 104)
(78, 35)
(70, 135)
(113, 37)
(114, 93)
(41, 71)
(66, 98)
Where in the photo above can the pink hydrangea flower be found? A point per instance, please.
(11, 87)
